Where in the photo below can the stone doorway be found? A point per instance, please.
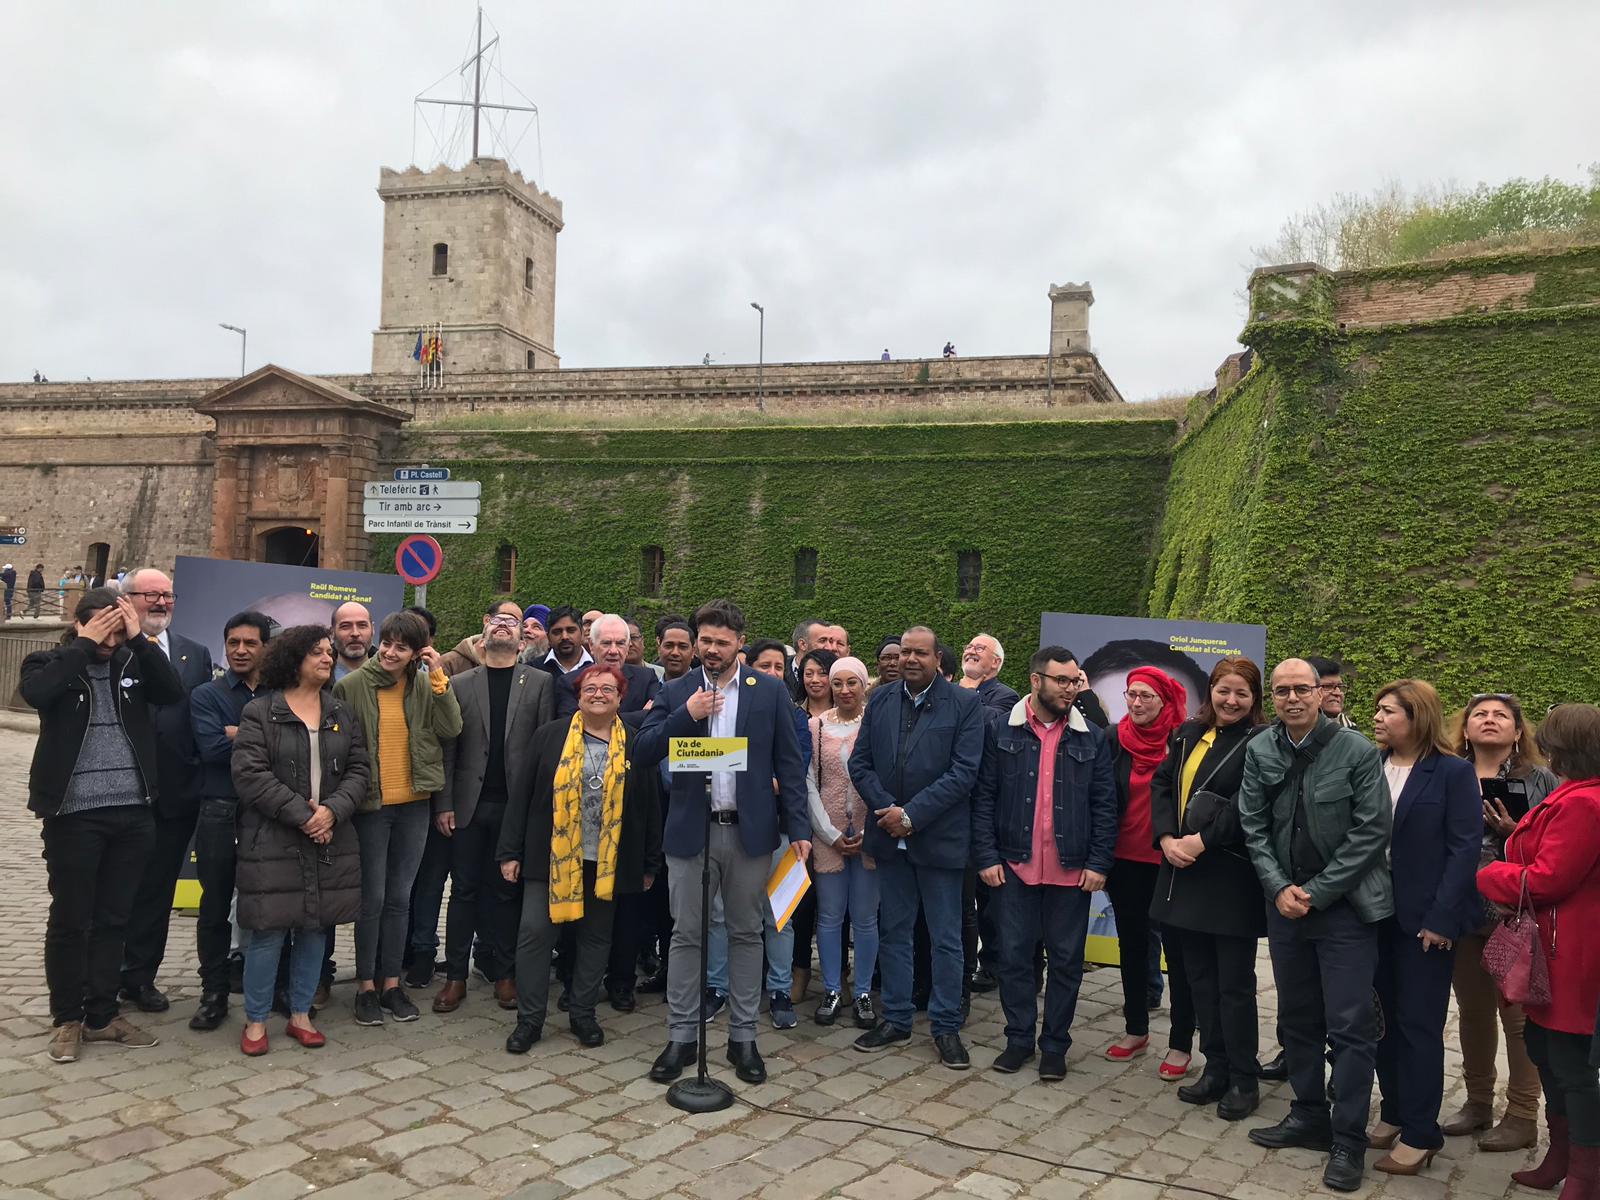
(291, 544)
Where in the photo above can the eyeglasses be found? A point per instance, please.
(1503, 697)
(1060, 680)
(1144, 697)
(505, 622)
(597, 690)
(153, 597)
(1333, 687)
(1302, 690)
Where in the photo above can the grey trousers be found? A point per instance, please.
(536, 939)
(392, 840)
(741, 879)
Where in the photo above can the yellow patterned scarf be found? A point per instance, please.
(566, 823)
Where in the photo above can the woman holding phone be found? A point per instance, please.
(1496, 739)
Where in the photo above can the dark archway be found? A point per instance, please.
(292, 544)
(96, 561)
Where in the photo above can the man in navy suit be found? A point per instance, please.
(177, 796)
(608, 639)
(915, 766)
(723, 699)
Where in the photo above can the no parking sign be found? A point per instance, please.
(418, 560)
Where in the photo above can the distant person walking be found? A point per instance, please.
(885, 355)
(35, 590)
(8, 576)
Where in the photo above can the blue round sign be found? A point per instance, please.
(419, 559)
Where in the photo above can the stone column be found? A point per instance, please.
(225, 514)
(336, 514)
(1069, 318)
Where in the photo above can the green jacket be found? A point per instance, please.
(429, 718)
(1349, 819)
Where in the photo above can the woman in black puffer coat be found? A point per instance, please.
(300, 765)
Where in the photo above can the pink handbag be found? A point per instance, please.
(1514, 956)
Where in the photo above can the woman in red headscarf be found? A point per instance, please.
(1157, 705)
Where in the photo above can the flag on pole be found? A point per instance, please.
(416, 352)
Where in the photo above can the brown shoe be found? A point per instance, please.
(799, 983)
(122, 1031)
(64, 1041)
(319, 998)
(1513, 1133)
(1472, 1117)
(450, 996)
(505, 993)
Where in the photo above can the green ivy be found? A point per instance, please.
(1062, 512)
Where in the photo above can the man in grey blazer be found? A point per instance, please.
(502, 703)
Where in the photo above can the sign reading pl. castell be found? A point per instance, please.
(404, 473)
(1107, 649)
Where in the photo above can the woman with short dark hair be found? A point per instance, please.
(407, 709)
(1497, 740)
(1551, 866)
(300, 766)
(816, 695)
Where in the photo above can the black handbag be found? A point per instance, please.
(1206, 806)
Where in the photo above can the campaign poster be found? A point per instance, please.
(210, 590)
(1107, 649)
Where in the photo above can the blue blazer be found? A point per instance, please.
(1433, 853)
(941, 771)
(766, 717)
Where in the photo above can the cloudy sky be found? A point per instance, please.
(882, 174)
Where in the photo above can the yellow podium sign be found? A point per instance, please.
(707, 753)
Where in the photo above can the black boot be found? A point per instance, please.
(212, 1012)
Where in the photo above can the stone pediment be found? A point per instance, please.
(275, 389)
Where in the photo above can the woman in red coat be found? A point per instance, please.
(1557, 847)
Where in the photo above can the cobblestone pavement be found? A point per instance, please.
(437, 1108)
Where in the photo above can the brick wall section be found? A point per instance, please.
(1396, 301)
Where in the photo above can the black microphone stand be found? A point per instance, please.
(702, 1093)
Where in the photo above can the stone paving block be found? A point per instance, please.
(343, 1083)
(380, 1185)
(281, 1185)
(124, 1144)
(263, 1160)
(572, 1146)
(201, 1123)
(894, 1182)
(413, 1141)
(188, 1152)
(400, 1116)
(97, 1181)
(191, 1184)
(42, 1166)
(650, 1180)
(359, 1132)
(547, 1189)
(988, 1187)
(441, 1164)
(593, 1170)
(26, 1122)
(67, 1135)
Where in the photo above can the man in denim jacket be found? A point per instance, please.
(1044, 826)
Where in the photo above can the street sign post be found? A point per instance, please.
(412, 523)
(13, 530)
(418, 560)
(13, 539)
(423, 508)
(404, 473)
(462, 489)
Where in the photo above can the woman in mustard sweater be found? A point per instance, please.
(406, 708)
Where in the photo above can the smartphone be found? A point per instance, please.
(1512, 794)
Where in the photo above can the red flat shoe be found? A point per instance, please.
(254, 1047)
(1117, 1052)
(311, 1039)
(1175, 1071)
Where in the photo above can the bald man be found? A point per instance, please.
(352, 638)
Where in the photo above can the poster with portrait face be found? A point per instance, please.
(1107, 649)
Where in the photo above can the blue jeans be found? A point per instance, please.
(261, 969)
(854, 890)
(900, 885)
(392, 840)
(1024, 915)
(779, 945)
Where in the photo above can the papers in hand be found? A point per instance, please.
(785, 886)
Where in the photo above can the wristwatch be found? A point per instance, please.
(905, 822)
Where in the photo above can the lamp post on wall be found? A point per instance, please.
(243, 340)
(761, 359)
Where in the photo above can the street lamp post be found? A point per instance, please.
(761, 359)
(243, 340)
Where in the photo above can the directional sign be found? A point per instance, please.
(13, 539)
(422, 473)
(416, 524)
(461, 490)
(13, 530)
(427, 508)
(418, 560)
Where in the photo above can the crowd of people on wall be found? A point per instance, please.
(954, 829)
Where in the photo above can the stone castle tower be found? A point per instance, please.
(474, 249)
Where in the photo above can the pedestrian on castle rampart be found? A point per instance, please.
(177, 804)
(1497, 740)
(93, 785)
(504, 703)
(915, 764)
(1316, 815)
(407, 708)
(1044, 826)
(1207, 897)
(352, 640)
(215, 710)
(815, 667)
(1157, 704)
(583, 834)
(844, 877)
(748, 816)
(301, 769)
(35, 590)
(1433, 860)
(8, 576)
(1550, 865)
(1331, 672)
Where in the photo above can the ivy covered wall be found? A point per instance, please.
(1418, 499)
(1062, 513)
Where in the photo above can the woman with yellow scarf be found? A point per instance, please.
(587, 832)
